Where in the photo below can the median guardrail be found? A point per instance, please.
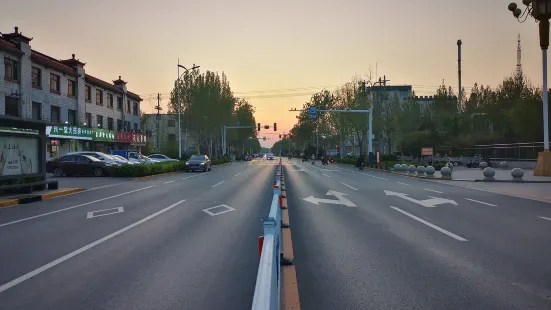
(268, 280)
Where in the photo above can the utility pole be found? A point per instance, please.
(459, 96)
(158, 108)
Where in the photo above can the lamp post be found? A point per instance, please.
(178, 91)
(541, 11)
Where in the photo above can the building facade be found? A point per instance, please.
(91, 112)
(162, 131)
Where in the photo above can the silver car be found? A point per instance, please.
(101, 156)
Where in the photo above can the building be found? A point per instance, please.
(90, 114)
(162, 131)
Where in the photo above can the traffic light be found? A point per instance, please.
(266, 126)
(258, 126)
(275, 127)
(264, 138)
(337, 147)
(280, 136)
(284, 136)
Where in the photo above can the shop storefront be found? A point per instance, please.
(103, 140)
(130, 141)
(65, 139)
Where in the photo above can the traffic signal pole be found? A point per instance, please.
(224, 135)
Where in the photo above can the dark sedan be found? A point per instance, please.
(77, 164)
(199, 162)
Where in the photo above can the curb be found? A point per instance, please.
(148, 177)
(289, 288)
(423, 178)
(9, 203)
(61, 193)
(35, 198)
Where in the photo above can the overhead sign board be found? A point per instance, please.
(313, 112)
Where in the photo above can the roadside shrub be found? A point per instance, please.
(143, 170)
(219, 161)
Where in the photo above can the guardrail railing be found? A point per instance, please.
(268, 284)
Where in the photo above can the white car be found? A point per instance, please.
(161, 157)
(122, 159)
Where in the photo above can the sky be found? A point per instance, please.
(277, 53)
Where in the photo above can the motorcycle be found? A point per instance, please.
(362, 165)
(324, 162)
(313, 161)
(332, 160)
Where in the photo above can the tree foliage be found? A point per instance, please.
(510, 113)
(207, 104)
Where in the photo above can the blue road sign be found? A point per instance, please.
(313, 112)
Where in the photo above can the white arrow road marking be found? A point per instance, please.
(440, 229)
(341, 200)
(545, 218)
(99, 213)
(429, 203)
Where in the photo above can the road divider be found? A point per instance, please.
(270, 293)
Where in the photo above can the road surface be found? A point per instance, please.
(372, 240)
(152, 247)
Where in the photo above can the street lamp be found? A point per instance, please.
(541, 11)
(178, 91)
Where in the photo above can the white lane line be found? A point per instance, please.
(440, 229)
(170, 181)
(404, 183)
(349, 186)
(376, 177)
(217, 184)
(432, 190)
(326, 175)
(545, 218)
(77, 206)
(60, 260)
(238, 174)
(481, 202)
(193, 176)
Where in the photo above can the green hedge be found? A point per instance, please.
(220, 161)
(143, 170)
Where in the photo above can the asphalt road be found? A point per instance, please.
(419, 245)
(158, 249)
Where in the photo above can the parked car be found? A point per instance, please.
(123, 160)
(161, 157)
(78, 164)
(99, 155)
(199, 162)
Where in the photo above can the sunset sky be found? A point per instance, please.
(277, 53)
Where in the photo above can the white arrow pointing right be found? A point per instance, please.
(428, 203)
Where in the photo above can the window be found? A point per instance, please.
(10, 67)
(135, 127)
(72, 117)
(127, 127)
(99, 120)
(37, 78)
(71, 88)
(37, 111)
(171, 123)
(88, 93)
(12, 106)
(88, 120)
(128, 107)
(119, 103)
(135, 108)
(55, 114)
(110, 101)
(171, 137)
(54, 83)
(110, 123)
(119, 125)
(99, 97)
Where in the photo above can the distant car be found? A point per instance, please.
(270, 157)
(78, 164)
(199, 162)
(161, 157)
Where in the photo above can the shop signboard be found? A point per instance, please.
(19, 155)
(19, 130)
(69, 132)
(104, 135)
(131, 138)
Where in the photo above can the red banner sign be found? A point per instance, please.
(131, 138)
